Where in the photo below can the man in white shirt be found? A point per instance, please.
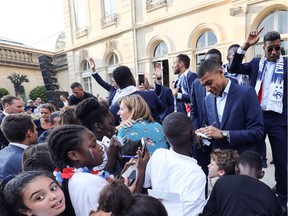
(174, 173)
(21, 132)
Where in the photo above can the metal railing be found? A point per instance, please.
(112, 18)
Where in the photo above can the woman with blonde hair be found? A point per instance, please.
(134, 109)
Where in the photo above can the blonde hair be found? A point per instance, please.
(137, 106)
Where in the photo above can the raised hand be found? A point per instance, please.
(252, 38)
(93, 65)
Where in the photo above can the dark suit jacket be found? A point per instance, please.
(242, 117)
(165, 95)
(3, 141)
(151, 99)
(197, 110)
(11, 160)
(251, 68)
(105, 85)
(180, 103)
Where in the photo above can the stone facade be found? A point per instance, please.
(134, 28)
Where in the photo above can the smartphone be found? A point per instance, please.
(143, 146)
(131, 177)
(141, 79)
(106, 141)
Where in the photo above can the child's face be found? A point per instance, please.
(213, 169)
(42, 196)
(91, 154)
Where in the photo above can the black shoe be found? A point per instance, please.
(264, 164)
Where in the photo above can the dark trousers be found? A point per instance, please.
(277, 135)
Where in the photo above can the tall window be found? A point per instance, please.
(112, 64)
(109, 12)
(275, 21)
(160, 56)
(80, 13)
(86, 77)
(204, 42)
(109, 7)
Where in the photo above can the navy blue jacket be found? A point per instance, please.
(151, 99)
(165, 95)
(105, 85)
(11, 160)
(242, 117)
(251, 68)
(180, 103)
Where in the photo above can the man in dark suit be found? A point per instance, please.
(165, 95)
(202, 151)
(127, 85)
(11, 104)
(112, 88)
(21, 132)
(183, 83)
(233, 112)
(268, 75)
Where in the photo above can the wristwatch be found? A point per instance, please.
(225, 134)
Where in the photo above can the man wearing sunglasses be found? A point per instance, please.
(269, 77)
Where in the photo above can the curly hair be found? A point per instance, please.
(225, 160)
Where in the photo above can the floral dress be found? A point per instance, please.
(152, 132)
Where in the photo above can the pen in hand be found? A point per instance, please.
(129, 156)
(211, 124)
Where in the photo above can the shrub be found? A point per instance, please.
(3, 92)
(38, 91)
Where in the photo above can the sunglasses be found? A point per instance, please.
(270, 49)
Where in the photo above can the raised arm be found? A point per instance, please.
(98, 78)
(252, 39)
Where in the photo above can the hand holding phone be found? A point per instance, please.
(143, 146)
(131, 177)
(141, 79)
(106, 141)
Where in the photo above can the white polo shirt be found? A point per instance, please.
(168, 171)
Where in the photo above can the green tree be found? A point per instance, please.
(38, 91)
(17, 80)
(3, 92)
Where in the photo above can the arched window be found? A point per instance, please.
(86, 77)
(275, 21)
(113, 60)
(204, 42)
(206, 39)
(112, 64)
(160, 50)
